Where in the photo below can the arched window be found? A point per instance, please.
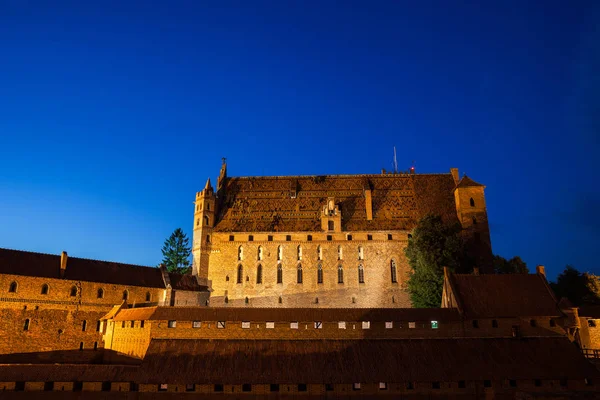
(319, 253)
(125, 295)
(240, 253)
(474, 221)
(73, 291)
(45, 289)
(279, 253)
(361, 254)
(240, 273)
(279, 274)
(259, 274)
(361, 274)
(340, 274)
(260, 253)
(13, 287)
(472, 202)
(207, 206)
(299, 273)
(206, 220)
(319, 273)
(100, 293)
(148, 297)
(299, 253)
(393, 271)
(198, 222)
(340, 255)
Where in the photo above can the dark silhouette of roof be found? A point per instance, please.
(504, 295)
(465, 181)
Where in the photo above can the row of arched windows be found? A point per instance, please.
(73, 291)
(260, 253)
(299, 273)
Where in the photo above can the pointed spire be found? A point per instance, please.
(208, 186)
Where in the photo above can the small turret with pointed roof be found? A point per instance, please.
(208, 189)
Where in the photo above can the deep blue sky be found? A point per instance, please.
(113, 115)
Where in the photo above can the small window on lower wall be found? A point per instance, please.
(318, 325)
(220, 324)
(245, 325)
(487, 383)
(293, 325)
(77, 386)
(48, 386)
(591, 323)
(190, 388)
(270, 325)
(552, 323)
(410, 385)
(462, 384)
(435, 385)
(106, 386)
(563, 382)
(382, 386)
(512, 382)
(537, 382)
(434, 324)
(274, 387)
(366, 324)
(475, 323)
(329, 387)
(246, 387)
(172, 324)
(19, 386)
(218, 387)
(162, 387)
(389, 325)
(412, 325)
(342, 325)
(356, 386)
(196, 324)
(302, 387)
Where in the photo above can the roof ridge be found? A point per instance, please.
(336, 175)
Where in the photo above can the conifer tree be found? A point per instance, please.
(176, 252)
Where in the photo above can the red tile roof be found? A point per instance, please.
(467, 182)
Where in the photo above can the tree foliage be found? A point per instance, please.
(433, 246)
(176, 252)
(513, 266)
(579, 288)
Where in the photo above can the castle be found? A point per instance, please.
(296, 291)
(325, 241)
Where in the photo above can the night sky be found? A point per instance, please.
(113, 115)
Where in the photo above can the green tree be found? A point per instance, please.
(433, 246)
(513, 266)
(176, 252)
(576, 287)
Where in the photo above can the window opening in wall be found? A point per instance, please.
(245, 324)
(329, 238)
(148, 296)
(48, 386)
(98, 326)
(106, 386)
(270, 325)
(563, 382)
(366, 324)
(207, 206)
(246, 300)
(83, 326)
(389, 325)
(474, 221)
(299, 251)
(132, 324)
(45, 289)
(316, 300)
(172, 324)
(190, 387)
(348, 237)
(302, 387)
(13, 287)
(227, 278)
(434, 324)
(390, 237)
(487, 383)
(318, 325)
(73, 291)
(342, 325)
(220, 324)
(141, 323)
(319, 273)
(369, 237)
(279, 275)
(537, 382)
(533, 323)
(100, 293)
(356, 386)
(231, 238)
(218, 387)
(26, 325)
(279, 253)
(260, 253)
(198, 222)
(435, 385)
(410, 236)
(591, 323)
(274, 387)
(330, 225)
(412, 325)
(475, 323)
(207, 238)
(240, 253)
(259, 274)
(515, 330)
(246, 387)
(80, 345)
(125, 295)
(206, 221)
(393, 271)
(240, 274)
(340, 253)
(270, 238)
(340, 274)
(288, 238)
(123, 324)
(309, 238)
(280, 300)
(361, 274)
(299, 272)
(472, 202)
(329, 387)
(361, 254)
(319, 253)
(250, 238)
(293, 325)
(462, 384)
(77, 386)
(162, 387)
(410, 386)
(512, 382)
(95, 345)
(196, 324)
(552, 323)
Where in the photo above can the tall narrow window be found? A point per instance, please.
(26, 325)
(73, 291)
(125, 295)
(100, 293)
(319, 253)
(279, 274)
(83, 325)
(472, 202)
(474, 221)
(279, 253)
(340, 254)
(299, 273)
(330, 225)
(13, 287)
(340, 274)
(260, 253)
(259, 274)
(393, 271)
(240, 273)
(361, 254)
(361, 274)
(319, 273)
(148, 297)
(240, 253)
(299, 253)
(45, 289)
(206, 220)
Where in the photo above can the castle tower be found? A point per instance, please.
(204, 220)
(471, 210)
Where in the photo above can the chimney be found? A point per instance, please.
(476, 271)
(454, 172)
(63, 263)
(541, 270)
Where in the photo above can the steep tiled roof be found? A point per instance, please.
(185, 282)
(294, 203)
(287, 314)
(507, 295)
(66, 373)
(368, 361)
(466, 182)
